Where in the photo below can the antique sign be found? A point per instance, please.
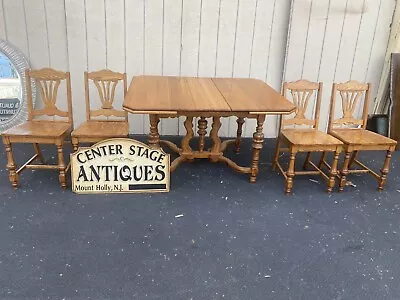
(119, 165)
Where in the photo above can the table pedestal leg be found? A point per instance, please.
(154, 136)
(240, 122)
(216, 147)
(258, 139)
(202, 125)
(185, 144)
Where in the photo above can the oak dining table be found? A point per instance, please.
(216, 98)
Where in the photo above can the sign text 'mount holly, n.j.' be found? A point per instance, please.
(119, 166)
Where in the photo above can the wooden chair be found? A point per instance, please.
(305, 139)
(96, 129)
(39, 129)
(352, 94)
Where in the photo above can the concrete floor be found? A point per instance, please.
(236, 240)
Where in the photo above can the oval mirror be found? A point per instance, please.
(13, 103)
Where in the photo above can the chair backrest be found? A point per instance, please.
(48, 81)
(106, 82)
(352, 94)
(303, 93)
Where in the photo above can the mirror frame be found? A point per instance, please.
(20, 63)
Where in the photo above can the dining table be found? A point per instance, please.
(206, 98)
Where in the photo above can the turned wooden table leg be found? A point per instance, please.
(290, 173)
(345, 171)
(385, 170)
(61, 166)
(154, 136)
(11, 166)
(258, 139)
(187, 151)
(333, 171)
(216, 147)
(240, 122)
(202, 131)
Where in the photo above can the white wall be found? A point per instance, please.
(338, 40)
(238, 38)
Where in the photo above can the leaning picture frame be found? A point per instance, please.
(20, 63)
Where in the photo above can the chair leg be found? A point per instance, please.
(240, 122)
(345, 171)
(353, 158)
(11, 166)
(276, 156)
(75, 143)
(61, 166)
(333, 171)
(306, 162)
(385, 170)
(321, 161)
(38, 152)
(290, 173)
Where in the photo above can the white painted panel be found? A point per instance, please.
(379, 46)
(315, 40)
(226, 45)
(348, 41)
(190, 37)
(365, 40)
(57, 42)
(115, 37)
(134, 35)
(57, 34)
(208, 38)
(262, 38)
(352, 40)
(298, 38)
(263, 27)
(330, 53)
(153, 37)
(96, 35)
(3, 33)
(276, 56)
(16, 31)
(242, 54)
(172, 52)
(153, 44)
(37, 33)
(96, 46)
(191, 16)
(76, 35)
(115, 29)
(362, 54)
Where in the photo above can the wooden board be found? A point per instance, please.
(163, 94)
(119, 165)
(252, 95)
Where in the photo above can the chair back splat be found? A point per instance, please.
(303, 94)
(48, 81)
(352, 94)
(106, 82)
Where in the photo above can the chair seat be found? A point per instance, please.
(361, 137)
(41, 129)
(101, 129)
(309, 137)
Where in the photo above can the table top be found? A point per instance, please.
(173, 95)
